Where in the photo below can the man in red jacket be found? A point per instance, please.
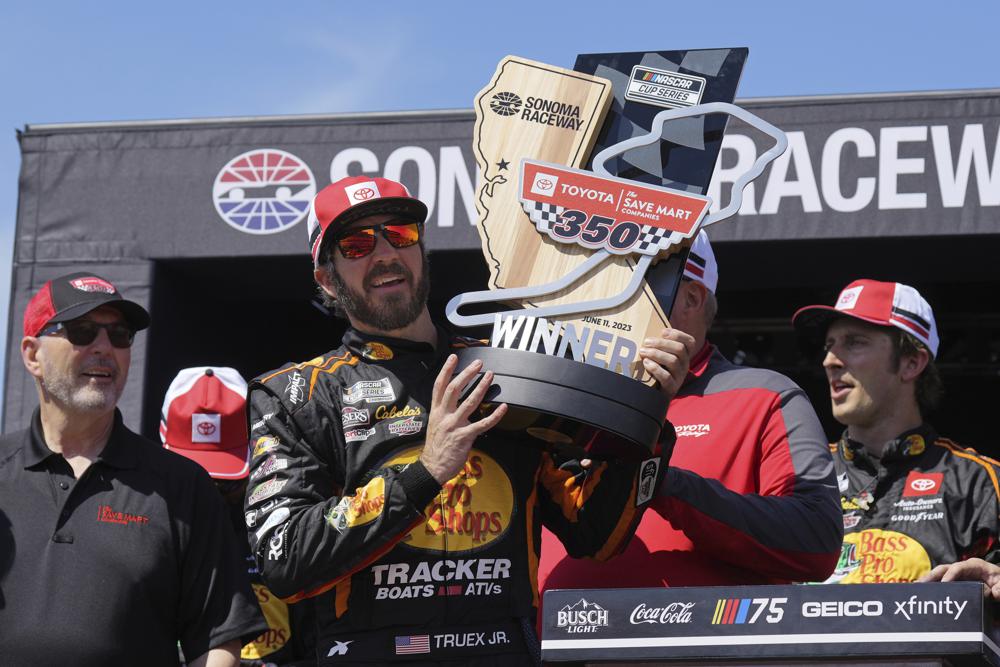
(750, 496)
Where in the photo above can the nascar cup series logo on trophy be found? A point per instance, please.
(586, 253)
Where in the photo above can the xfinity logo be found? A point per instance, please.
(841, 608)
(915, 607)
(678, 612)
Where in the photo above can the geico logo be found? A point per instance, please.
(442, 570)
(838, 608)
(582, 617)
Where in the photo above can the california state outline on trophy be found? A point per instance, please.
(570, 248)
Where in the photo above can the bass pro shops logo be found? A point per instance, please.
(473, 509)
(263, 191)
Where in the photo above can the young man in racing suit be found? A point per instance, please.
(911, 500)
(413, 525)
(749, 497)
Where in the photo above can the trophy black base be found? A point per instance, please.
(571, 407)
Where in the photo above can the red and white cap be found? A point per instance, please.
(356, 197)
(74, 295)
(701, 266)
(204, 418)
(886, 304)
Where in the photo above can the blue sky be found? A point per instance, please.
(71, 62)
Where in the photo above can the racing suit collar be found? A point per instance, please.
(360, 344)
(908, 444)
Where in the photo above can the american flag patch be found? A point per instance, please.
(413, 644)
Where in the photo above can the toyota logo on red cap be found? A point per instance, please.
(364, 193)
(206, 428)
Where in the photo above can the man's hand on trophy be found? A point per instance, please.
(450, 433)
(973, 569)
(667, 359)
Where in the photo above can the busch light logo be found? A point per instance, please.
(263, 191)
(582, 616)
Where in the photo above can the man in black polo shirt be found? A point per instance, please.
(117, 550)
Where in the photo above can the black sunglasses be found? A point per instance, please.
(84, 332)
(360, 242)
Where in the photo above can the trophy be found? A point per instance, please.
(587, 261)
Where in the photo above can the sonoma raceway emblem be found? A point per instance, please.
(263, 191)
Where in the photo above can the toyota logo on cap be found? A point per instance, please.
(206, 428)
(364, 194)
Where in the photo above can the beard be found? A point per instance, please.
(389, 313)
(77, 393)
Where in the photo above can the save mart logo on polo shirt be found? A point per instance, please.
(106, 514)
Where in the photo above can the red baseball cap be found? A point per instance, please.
(886, 304)
(71, 296)
(356, 197)
(204, 418)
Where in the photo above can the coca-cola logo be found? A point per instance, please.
(677, 612)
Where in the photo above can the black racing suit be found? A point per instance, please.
(925, 502)
(399, 567)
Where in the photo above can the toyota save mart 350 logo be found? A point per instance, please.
(264, 191)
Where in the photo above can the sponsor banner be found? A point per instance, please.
(864, 167)
(792, 621)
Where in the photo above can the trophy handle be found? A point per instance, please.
(534, 291)
(656, 132)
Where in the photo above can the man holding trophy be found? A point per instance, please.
(388, 490)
